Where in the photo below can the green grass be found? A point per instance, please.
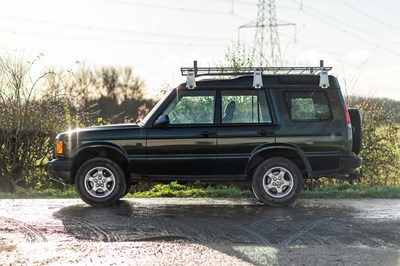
(65, 193)
(174, 189)
(353, 191)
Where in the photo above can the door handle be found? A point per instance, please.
(207, 133)
(264, 132)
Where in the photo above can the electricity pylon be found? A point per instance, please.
(267, 48)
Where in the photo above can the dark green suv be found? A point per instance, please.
(270, 127)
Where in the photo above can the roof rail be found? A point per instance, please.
(192, 72)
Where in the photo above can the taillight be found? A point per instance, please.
(346, 111)
(59, 147)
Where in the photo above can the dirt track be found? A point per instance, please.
(200, 231)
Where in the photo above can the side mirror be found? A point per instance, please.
(162, 121)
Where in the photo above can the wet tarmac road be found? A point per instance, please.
(312, 232)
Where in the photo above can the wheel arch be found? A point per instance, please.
(103, 150)
(290, 152)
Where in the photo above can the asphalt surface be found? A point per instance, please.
(200, 231)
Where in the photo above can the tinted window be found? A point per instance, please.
(303, 106)
(245, 107)
(196, 108)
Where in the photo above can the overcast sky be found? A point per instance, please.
(359, 39)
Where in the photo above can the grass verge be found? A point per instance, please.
(353, 191)
(174, 189)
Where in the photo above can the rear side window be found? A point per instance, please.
(306, 106)
(245, 107)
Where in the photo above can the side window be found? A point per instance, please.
(194, 108)
(310, 105)
(248, 106)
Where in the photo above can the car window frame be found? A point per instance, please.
(267, 101)
(311, 90)
(196, 92)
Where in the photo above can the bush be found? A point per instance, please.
(380, 146)
(31, 114)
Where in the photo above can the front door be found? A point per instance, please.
(186, 147)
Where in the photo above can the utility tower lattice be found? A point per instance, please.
(266, 42)
(266, 25)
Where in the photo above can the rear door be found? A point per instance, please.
(245, 124)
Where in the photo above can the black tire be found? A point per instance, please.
(356, 124)
(127, 189)
(277, 182)
(100, 182)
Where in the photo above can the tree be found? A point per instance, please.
(31, 114)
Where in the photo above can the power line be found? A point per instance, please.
(96, 38)
(169, 7)
(369, 16)
(322, 17)
(351, 26)
(112, 30)
(308, 45)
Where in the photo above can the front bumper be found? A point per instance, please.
(60, 171)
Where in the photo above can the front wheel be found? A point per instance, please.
(277, 182)
(100, 182)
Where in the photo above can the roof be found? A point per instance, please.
(267, 80)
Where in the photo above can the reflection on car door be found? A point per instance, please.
(188, 144)
(246, 124)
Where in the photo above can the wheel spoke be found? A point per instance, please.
(109, 179)
(91, 179)
(94, 190)
(281, 175)
(279, 190)
(100, 172)
(269, 186)
(287, 183)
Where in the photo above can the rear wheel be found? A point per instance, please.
(100, 182)
(277, 182)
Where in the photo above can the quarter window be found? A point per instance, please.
(304, 106)
(245, 107)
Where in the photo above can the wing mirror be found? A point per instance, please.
(162, 121)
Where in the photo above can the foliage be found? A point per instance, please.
(389, 105)
(49, 193)
(346, 190)
(31, 115)
(174, 189)
(238, 56)
(381, 153)
(34, 108)
(339, 190)
(113, 93)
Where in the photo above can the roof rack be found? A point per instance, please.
(192, 72)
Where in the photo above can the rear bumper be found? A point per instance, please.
(60, 171)
(348, 165)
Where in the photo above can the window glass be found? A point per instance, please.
(196, 108)
(245, 107)
(306, 106)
